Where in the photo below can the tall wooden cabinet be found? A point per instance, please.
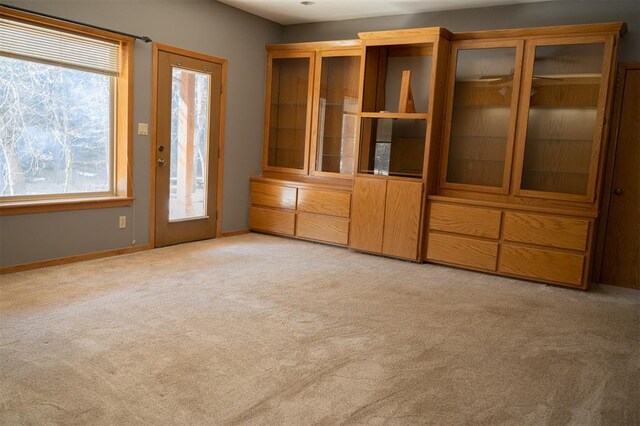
(402, 95)
(310, 131)
(522, 154)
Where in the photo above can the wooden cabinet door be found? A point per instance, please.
(621, 255)
(561, 117)
(482, 102)
(402, 219)
(335, 122)
(288, 111)
(367, 214)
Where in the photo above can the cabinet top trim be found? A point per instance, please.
(314, 45)
(406, 33)
(619, 28)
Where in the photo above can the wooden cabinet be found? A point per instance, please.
(402, 102)
(386, 217)
(481, 150)
(311, 108)
(301, 209)
(521, 164)
(539, 246)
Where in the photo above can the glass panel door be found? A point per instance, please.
(337, 114)
(563, 116)
(288, 113)
(190, 93)
(483, 108)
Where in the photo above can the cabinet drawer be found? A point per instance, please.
(265, 194)
(333, 203)
(551, 231)
(275, 221)
(542, 264)
(462, 251)
(465, 220)
(323, 228)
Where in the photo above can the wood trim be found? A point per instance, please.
(337, 185)
(513, 114)
(157, 47)
(124, 124)
(153, 144)
(609, 167)
(221, 144)
(234, 233)
(412, 33)
(515, 207)
(64, 204)
(195, 55)
(523, 116)
(619, 28)
(72, 259)
(315, 45)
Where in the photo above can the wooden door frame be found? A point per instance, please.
(610, 166)
(157, 48)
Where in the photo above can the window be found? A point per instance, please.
(64, 112)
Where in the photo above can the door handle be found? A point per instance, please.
(161, 162)
(618, 191)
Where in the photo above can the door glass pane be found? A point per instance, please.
(337, 114)
(392, 147)
(480, 118)
(288, 115)
(189, 144)
(562, 118)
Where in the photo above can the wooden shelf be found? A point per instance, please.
(392, 174)
(401, 115)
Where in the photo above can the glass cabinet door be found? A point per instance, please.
(562, 116)
(289, 112)
(482, 106)
(335, 124)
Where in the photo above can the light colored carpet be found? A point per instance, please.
(264, 330)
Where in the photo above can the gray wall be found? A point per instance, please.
(497, 17)
(200, 25)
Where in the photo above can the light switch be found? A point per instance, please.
(143, 129)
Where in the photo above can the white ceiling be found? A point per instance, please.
(288, 12)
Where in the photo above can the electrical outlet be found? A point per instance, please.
(122, 223)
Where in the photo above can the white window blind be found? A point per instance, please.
(43, 44)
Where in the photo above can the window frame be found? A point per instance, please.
(122, 141)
